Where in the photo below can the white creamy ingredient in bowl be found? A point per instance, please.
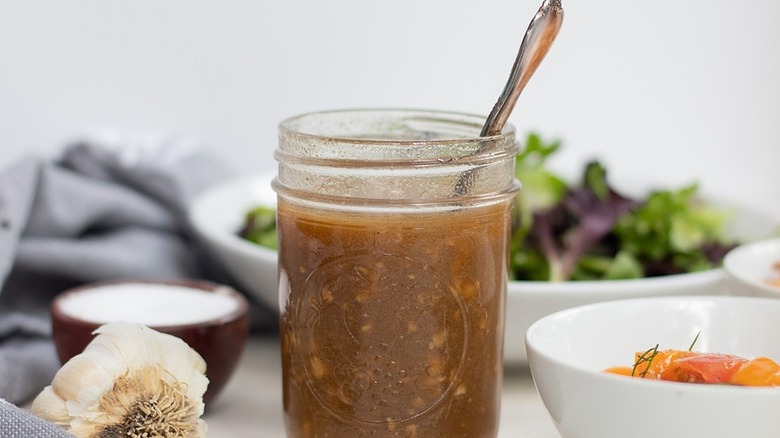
(150, 304)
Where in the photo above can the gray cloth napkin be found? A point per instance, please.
(18, 423)
(99, 211)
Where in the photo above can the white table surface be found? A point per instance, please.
(251, 404)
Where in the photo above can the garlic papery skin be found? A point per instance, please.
(130, 381)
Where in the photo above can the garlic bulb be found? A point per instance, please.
(130, 381)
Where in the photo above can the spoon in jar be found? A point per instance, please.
(536, 43)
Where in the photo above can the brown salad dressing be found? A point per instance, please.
(388, 319)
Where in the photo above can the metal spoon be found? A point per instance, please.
(536, 43)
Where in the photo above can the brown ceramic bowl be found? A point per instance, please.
(215, 324)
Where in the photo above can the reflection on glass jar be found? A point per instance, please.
(393, 237)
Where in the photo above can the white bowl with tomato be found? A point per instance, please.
(702, 367)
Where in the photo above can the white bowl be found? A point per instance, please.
(217, 215)
(569, 350)
(527, 301)
(750, 267)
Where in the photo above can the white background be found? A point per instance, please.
(663, 91)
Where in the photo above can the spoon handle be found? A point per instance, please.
(536, 43)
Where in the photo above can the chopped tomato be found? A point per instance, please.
(662, 366)
(708, 368)
(757, 372)
(623, 371)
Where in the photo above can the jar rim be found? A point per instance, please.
(402, 155)
(295, 125)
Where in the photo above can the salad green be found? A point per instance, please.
(260, 226)
(587, 230)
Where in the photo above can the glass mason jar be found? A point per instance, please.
(393, 243)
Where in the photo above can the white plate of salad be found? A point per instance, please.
(576, 240)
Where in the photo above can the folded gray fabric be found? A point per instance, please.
(98, 212)
(17, 423)
(26, 355)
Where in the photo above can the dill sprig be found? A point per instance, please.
(646, 357)
(694, 341)
(649, 355)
